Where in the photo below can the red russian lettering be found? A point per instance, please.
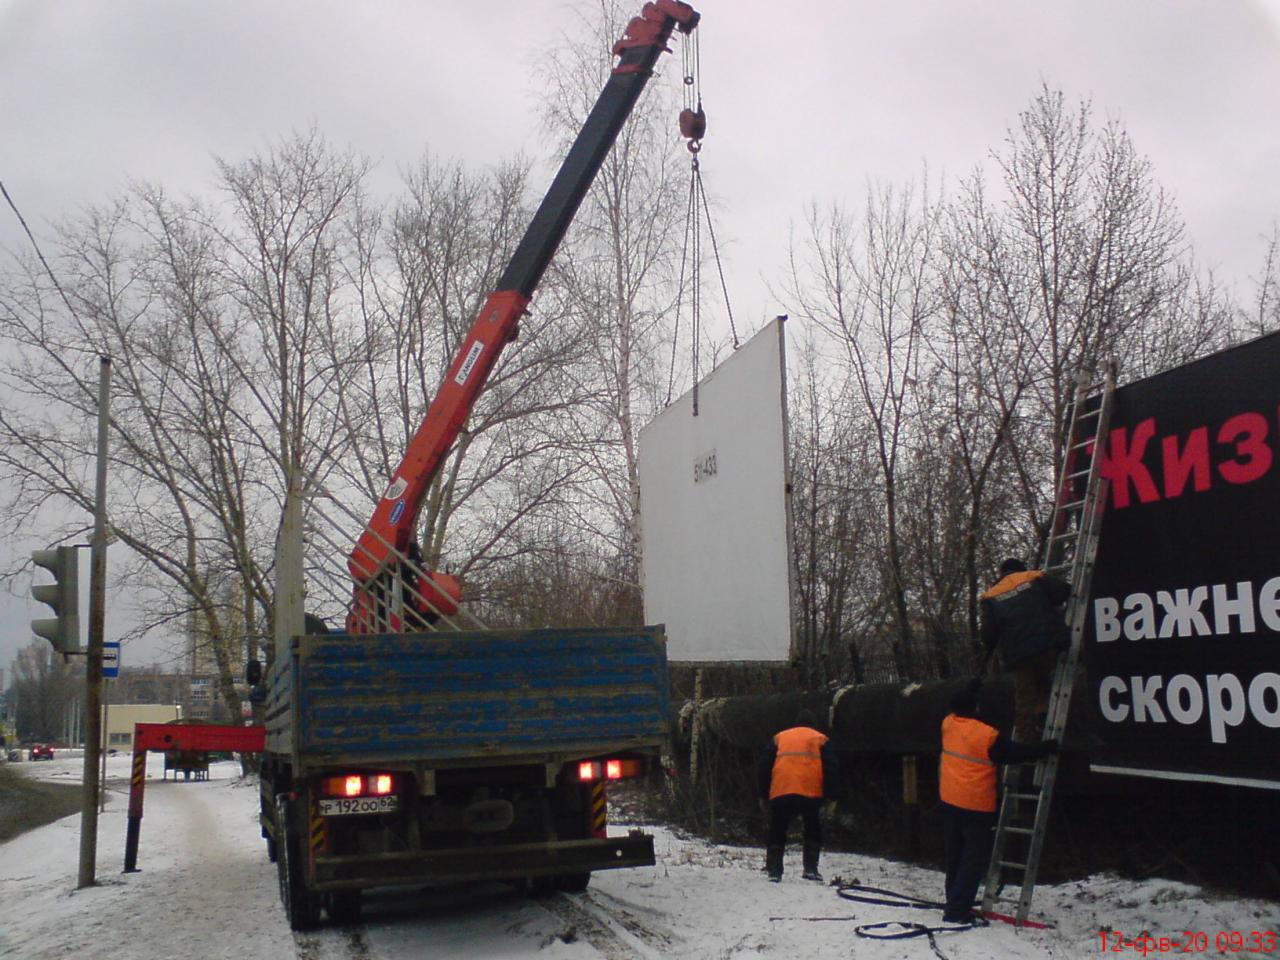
(1192, 462)
(1123, 465)
(1248, 431)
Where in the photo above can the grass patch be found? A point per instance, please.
(26, 804)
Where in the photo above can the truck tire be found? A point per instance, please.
(343, 907)
(301, 906)
(265, 815)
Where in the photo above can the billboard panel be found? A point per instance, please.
(1183, 641)
(715, 517)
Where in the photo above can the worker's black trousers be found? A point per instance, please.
(784, 809)
(967, 840)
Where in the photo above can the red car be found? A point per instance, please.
(40, 751)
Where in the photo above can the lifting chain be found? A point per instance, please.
(693, 127)
(693, 121)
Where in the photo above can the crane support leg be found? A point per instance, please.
(176, 736)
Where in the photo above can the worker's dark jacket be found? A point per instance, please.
(830, 766)
(1020, 615)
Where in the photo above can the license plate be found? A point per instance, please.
(342, 806)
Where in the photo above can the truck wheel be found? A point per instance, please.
(265, 814)
(573, 882)
(301, 906)
(344, 907)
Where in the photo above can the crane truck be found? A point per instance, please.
(398, 753)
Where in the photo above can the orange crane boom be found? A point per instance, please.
(389, 535)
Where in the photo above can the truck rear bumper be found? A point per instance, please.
(464, 864)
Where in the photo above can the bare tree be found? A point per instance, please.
(44, 687)
(1094, 239)
(616, 280)
(422, 274)
(1265, 316)
(220, 386)
(983, 360)
(962, 345)
(874, 293)
(833, 483)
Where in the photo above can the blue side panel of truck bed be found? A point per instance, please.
(478, 694)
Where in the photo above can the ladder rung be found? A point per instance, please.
(1022, 793)
(1025, 831)
(1014, 864)
(1079, 473)
(1072, 505)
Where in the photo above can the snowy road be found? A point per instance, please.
(206, 891)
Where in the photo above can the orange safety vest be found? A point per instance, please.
(797, 768)
(966, 774)
(1011, 583)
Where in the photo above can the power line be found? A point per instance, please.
(39, 252)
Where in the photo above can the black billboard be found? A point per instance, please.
(1182, 644)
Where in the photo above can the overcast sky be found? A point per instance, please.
(807, 100)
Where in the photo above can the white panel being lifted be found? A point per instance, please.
(715, 514)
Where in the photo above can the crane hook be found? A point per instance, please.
(693, 127)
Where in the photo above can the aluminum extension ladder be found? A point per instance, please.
(1069, 553)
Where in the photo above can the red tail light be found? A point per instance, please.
(616, 769)
(358, 785)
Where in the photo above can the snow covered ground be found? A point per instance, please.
(205, 890)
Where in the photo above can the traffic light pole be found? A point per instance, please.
(93, 666)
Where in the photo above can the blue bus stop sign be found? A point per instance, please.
(110, 660)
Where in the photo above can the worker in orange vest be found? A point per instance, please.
(1021, 617)
(797, 773)
(971, 750)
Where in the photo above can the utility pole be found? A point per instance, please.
(97, 630)
(106, 726)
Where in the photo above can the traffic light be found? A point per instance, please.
(63, 629)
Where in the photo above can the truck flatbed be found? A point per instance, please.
(451, 698)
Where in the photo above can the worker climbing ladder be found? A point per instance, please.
(1069, 553)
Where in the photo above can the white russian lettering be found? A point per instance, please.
(1269, 603)
(1222, 714)
(1266, 714)
(1190, 711)
(1224, 608)
(1182, 612)
(1106, 626)
(1112, 711)
(1144, 699)
(1220, 610)
(1140, 624)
